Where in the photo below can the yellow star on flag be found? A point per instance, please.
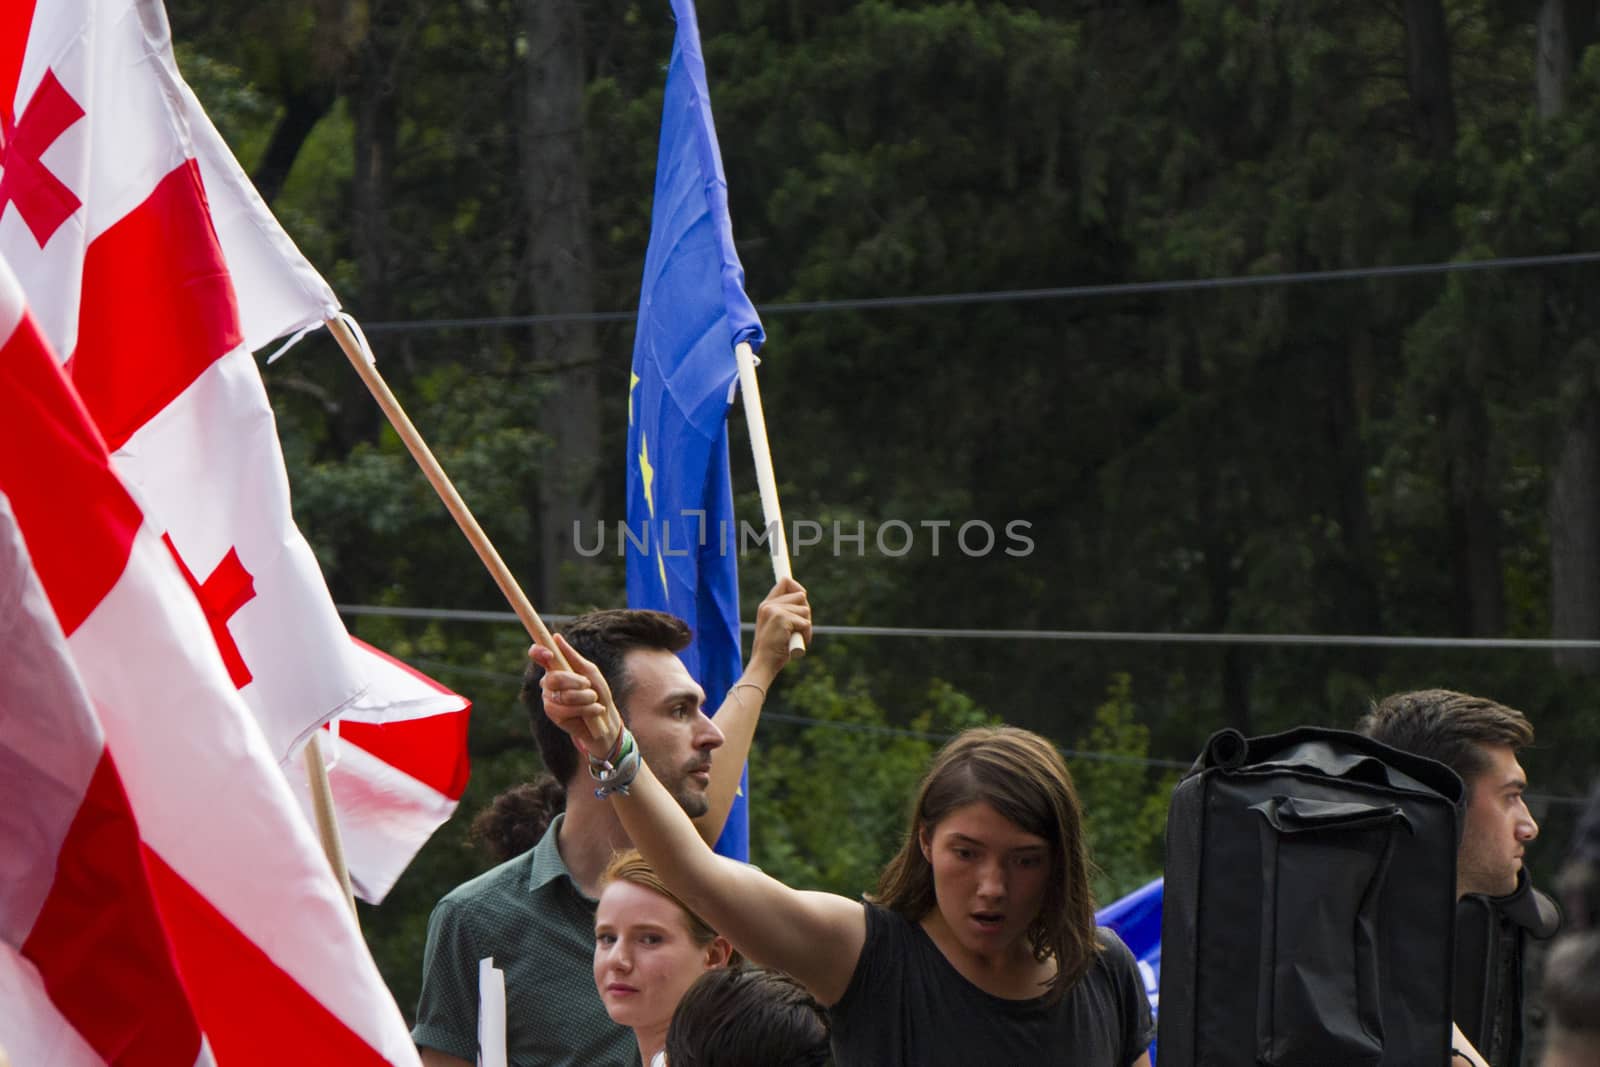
(648, 473)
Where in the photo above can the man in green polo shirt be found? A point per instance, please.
(534, 914)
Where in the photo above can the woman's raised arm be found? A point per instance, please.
(814, 937)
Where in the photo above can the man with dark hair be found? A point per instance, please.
(635, 648)
(1497, 909)
(534, 914)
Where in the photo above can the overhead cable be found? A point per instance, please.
(1155, 637)
(1005, 296)
(878, 729)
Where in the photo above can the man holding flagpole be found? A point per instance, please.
(675, 651)
(534, 914)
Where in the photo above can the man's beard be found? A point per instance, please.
(690, 797)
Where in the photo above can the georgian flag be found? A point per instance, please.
(161, 900)
(397, 765)
(155, 269)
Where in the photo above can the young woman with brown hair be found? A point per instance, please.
(980, 946)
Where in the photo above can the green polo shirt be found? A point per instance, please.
(529, 915)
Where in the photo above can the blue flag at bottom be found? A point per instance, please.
(683, 540)
(1137, 920)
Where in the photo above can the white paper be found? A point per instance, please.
(491, 1014)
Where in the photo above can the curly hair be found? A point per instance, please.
(516, 819)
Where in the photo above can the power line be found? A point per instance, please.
(999, 296)
(831, 724)
(1156, 637)
(1067, 753)
(920, 735)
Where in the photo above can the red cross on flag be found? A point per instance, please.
(164, 901)
(155, 270)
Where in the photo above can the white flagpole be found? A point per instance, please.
(766, 481)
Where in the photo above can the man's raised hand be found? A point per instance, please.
(785, 611)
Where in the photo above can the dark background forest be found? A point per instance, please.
(1393, 454)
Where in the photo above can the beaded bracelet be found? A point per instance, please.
(616, 774)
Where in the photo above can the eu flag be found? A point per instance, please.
(1137, 920)
(692, 311)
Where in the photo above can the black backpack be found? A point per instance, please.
(1309, 905)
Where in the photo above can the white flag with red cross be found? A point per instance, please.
(397, 766)
(155, 269)
(164, 902)
(104, 219)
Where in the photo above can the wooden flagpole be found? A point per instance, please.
(766, 481)
(361, 360)
(316, 770)
(327, 825)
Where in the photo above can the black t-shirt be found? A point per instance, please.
(906, 1004)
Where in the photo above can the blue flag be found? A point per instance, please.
(683, 540)
(1137, 920)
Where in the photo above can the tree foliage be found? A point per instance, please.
(1124, 799)
(1393, 455)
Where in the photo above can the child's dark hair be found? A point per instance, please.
(748, 1017)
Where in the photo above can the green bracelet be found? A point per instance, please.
(617, 774)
